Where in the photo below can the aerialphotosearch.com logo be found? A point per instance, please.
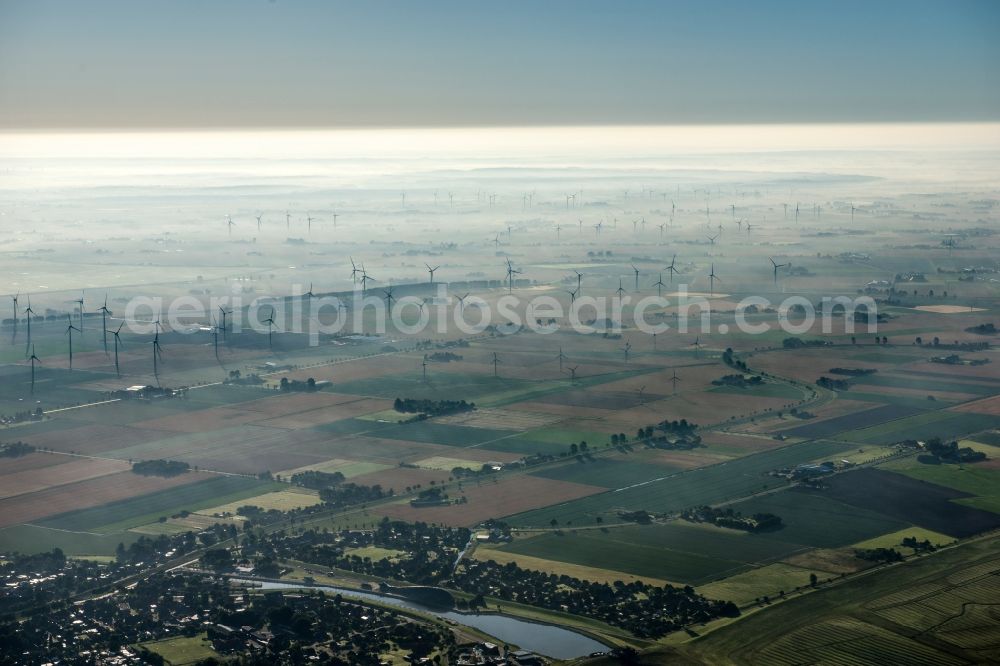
(370, 312)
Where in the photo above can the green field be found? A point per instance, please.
(982, 482)
(589, 550)
(441, 433)
(143, 509)
(678, 551)
(814, 520)
(768, 581)
(183, 650)
(889, 399)
(926, 611)
(36, 539)
(946, 425)
(706, 485)
(606, 472)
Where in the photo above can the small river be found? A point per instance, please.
(545, 639)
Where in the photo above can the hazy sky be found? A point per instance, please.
(287, 63)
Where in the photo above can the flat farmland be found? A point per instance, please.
(314, 417)
(736, 443)
(432, 432)
(492, 500)
(694, 487)
(349, 468)
(32, 461)
(818, 520)
(909, 500)
(686, 554)
(201, 420)
(374, 449)
(276, 403)
(873, 619)
(990, 406)
(35, 539)
(115, 514)
(766, 390)
(70, 470)
(95, 492)
(279, 500)
(599, 398)
(680, 460)
(943, 424)
(744, 588)
(980, 482)
(606, 472)
(558, 568)
(89, 439)
(927, 382)
(832, 426)
(399, 478)
(499, 419)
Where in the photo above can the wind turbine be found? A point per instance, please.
(388, 297)
(675, 379)
(157, 353)
(80, 302)
(496, 362)
(712, 277)
(69, 331)
(224, 313)
(29, 314)
(776, 267)
(34, 359)
(659, 286)
(258, 220)
(431, 271)
(627, 348)
(572, 373)
(620, 290)
(365, 278)
(215, 336)
(561, 357)
(511, 272)
(636, 277)
(270, 327)
(230, 223)
(697, 346)
(335, 216)
(461, 302)
(579, 280)
(288, 220)
(14, 297)
(572, 295)
(354, 271)
(105, 312)
(309, 221)
(749, 227)
(712, 238)
(672, 268)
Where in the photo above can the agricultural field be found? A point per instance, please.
(721, 482)
(690, 554)
(932, 610)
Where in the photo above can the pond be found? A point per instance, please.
(545, 639)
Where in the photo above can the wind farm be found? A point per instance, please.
(777, 397)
